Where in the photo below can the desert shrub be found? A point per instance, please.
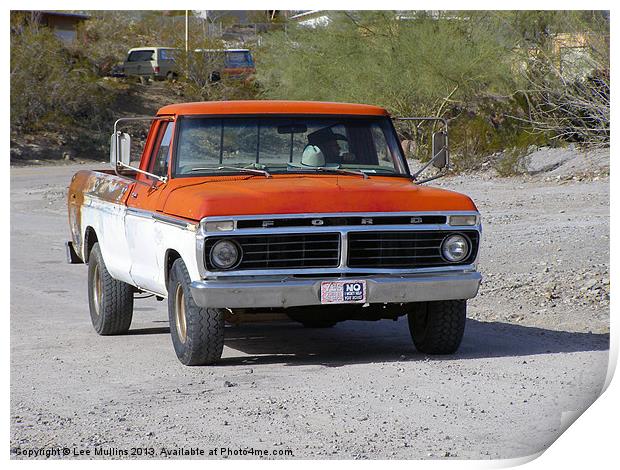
(564, 64)
(413, 65)
(575, 109)
(50, 87)
(200, 76)
(475, 69)
(108, 35)
(419, 65)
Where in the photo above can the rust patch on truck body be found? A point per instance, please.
(104, 185)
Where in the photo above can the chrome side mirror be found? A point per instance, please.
(120, 149)
(440, 149)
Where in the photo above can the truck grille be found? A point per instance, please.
(332, 221)
(311, 250)
(409, 249)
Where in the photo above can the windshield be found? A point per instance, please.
(287, 145)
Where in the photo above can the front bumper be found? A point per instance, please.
(294, 292)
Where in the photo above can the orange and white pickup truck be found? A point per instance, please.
(243, 210)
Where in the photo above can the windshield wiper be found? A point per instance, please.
(342, 170)
(255, 171)
(332, 169)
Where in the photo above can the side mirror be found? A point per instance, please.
(120, 147)
(440, 149)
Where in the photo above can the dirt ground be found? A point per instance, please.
(535, 349)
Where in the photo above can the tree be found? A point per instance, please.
(416, 66)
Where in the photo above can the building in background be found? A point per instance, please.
(63, 24)
(309, 18)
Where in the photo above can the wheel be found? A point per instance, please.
(171, 76)
(197, 333)
(438, 327)
(110, 301)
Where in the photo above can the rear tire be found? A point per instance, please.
(110, 300)
(438, 327)
(197, 333)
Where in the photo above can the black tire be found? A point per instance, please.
(110, 301)
(197, 333)
(438, 327)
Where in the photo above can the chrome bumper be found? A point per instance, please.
(293, 292)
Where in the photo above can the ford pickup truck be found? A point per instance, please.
(244, 210)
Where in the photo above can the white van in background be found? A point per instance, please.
(154, 62)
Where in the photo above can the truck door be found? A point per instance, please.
(147, 251)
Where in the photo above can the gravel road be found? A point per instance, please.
(535, 349)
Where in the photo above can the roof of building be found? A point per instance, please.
(272, 107)
(78, 16)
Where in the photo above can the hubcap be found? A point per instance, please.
(179, 310)
(97, 289)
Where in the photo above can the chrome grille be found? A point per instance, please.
(310, 250)
(333, 221)
(406, 249)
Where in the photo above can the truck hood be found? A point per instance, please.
(195, 198)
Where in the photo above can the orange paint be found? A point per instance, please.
(271, 107)
(198, 197)
(193, 198)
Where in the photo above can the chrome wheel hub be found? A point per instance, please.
(179, 311)
(97, 289)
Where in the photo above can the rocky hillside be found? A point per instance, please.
(85, 144)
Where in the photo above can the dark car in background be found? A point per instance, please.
(219, 63)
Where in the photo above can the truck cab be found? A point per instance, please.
(274, 209)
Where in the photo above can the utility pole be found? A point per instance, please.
(186, 31)
(187, 44)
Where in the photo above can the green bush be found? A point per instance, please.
(51, 88)
(472, 68)
(419, 66)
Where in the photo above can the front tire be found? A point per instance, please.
(197, 333)
(110, 300)
(438, 327)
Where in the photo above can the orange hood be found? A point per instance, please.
(195, 198)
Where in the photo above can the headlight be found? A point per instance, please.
(225, 254)
(455, 248)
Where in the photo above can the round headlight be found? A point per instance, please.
(225, 254)
(455, 248)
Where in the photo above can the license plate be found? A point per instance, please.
(343, 292)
